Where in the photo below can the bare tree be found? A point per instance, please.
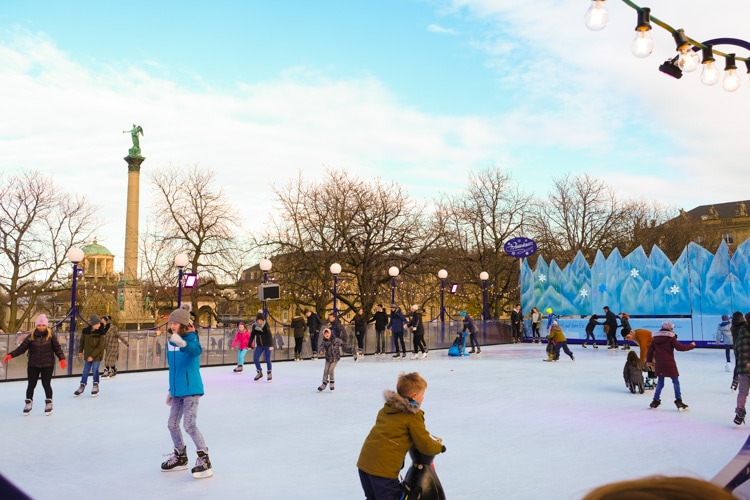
(366, 227)
(38, 225)
(478, 222)
(192, 215)
(580, 214)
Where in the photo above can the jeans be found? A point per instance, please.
(380, 341)
(256, 357)
(33, 373)
(314, 342)
(660, 386)
(328, 370)
(90, 366)
(185, 408)
(399, 337)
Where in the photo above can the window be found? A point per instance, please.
(728, 238)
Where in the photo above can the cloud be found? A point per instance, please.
(436, 28)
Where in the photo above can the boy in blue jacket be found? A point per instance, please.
(185, 389)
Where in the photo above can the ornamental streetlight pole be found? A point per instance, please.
(75, 255)
(335, 270)
(180, 261)
(484, 276)
(393, 272)
(442, 274)
(265, 266)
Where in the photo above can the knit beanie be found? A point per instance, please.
(180, 316)
(41, 320)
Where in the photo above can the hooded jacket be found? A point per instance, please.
(724, 333)
(556, 334)
(260, 334)
(184, 367)
(416, 323)
(92, 343)
(396, 324)
(661, 353)
(398, 426)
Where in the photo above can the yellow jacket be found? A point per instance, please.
(556, 334)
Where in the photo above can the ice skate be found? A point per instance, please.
(572, 358)
(177, 461)
(322, 386)
(258, 375)
(106, 373)
(584, 345)
(202, 467)
(48, 407)
(596, 346)
(424, 355)
(655, 403)
(27, 408)
(479, 351)
(397, 355)
(739, 417)
(403, 355)
(414, 356)
(331, 386)
(238, 369)
(80, 390)
(680, 405)
(734, 385)
(269, 377)
(472, 349)
(95, 389)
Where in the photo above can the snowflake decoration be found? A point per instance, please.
(602, 288)
(584, 293)
(542, 278)
(674, 289)
(634, 273)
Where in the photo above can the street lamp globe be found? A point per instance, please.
(265, 265)
(393, 271)
(335, 268)
(442, 274)
(75, 255)
(484, 276)
(181, 260)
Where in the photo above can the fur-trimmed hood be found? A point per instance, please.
(665, 333)
(399, 404)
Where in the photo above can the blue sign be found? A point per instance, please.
(520, 247)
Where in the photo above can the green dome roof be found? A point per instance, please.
(95, 249)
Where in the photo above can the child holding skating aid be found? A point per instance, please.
(185, 390)
(398, 426)
(632, 372)
(330, 350)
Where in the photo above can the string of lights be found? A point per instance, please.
(687, 58)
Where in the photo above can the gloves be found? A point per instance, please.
(63, 364)
(177, 340)
(7, 358)
(169, 398)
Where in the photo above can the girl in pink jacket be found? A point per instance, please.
(240, 342)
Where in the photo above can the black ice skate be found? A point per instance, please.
(177, 461)
(655, 403)
(322, 386)
(202, 467)
(330, 385)
(680, 405)
(27, 408)
(739, 418)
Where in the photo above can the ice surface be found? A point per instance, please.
(514, 427)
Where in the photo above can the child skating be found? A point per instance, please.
(557, 337)
(185, 390)
(660, 358)
(240, 342)
(330, 349)
(633, 373)
(742, 360)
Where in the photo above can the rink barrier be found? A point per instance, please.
(145, 351)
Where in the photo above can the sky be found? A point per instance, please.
(422, 92)
(514, 428)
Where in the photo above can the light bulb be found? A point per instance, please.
(643, 44)
(711, 73)
(597, 16)
(688, 60)
(731, 80)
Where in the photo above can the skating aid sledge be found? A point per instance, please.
(737, 471)
(421, 481)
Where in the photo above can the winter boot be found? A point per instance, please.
(177, 461)
(269, 376)
(258, 375)
(27, 408)
(330, 385)
(322, 386)
(48, 407)
(680, 405)
(739, 418)
(202, 467)
(655, 403)
(80, 390)
(95, 389)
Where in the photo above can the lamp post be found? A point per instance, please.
(484, 276)
(265, 266)
(442, 274)
(180, 261)
(393, 272)
(75, 255)
(335, 270)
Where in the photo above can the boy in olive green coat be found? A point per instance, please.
(398, 426)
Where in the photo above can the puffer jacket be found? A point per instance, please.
(331, 348)
(724, 333)
(415, 323)
(398, 426)
(184, 367)
(42, 350)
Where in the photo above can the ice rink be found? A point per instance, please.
(514, 428)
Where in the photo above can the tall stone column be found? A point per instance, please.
(131, 218)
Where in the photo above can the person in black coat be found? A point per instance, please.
(313, 325)
(610, 328)
(381, 322)
(593, 323)
(516, 322)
